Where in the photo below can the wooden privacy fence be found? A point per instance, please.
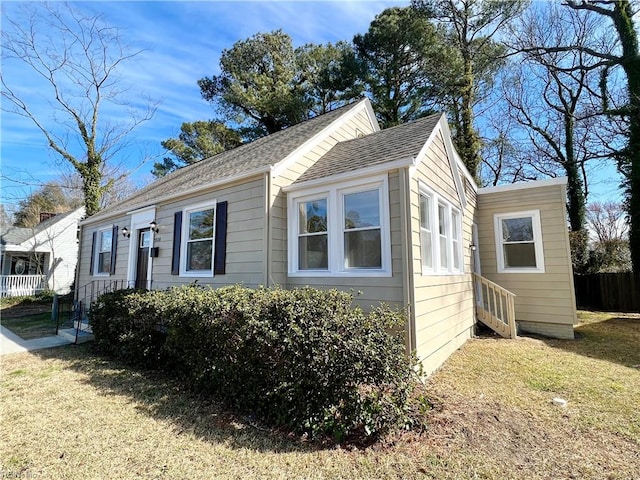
(614, 292)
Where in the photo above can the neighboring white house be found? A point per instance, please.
(335, 202)
(40, 258)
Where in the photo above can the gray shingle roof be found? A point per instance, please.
(395, 143)
(264, 152)
(11, 235)
(15, 235)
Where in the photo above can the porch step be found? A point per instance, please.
(70, 335)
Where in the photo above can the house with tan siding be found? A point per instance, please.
(335, 202)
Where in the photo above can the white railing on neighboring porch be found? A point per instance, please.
(22, 285)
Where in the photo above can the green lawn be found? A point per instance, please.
(69, 413)
(31, 326)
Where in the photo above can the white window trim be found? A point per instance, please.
(335, 220)
(185, 237)
(537, 240)
(436, 200)
(96, 254)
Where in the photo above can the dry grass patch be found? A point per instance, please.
(70, 414)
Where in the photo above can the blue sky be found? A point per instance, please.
(182, 42)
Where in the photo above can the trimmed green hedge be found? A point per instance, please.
(303, 358)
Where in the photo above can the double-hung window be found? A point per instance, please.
(362, 230)
(519, 246)
(340, 230)
(103, 260)
(426, 232)
(440, 234)
(198, 240)
(313, 241)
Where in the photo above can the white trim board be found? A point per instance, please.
(524, 185)
(443, 127)
(311, 143)
(140, 219)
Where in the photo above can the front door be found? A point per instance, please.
(142, 262)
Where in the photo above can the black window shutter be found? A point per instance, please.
(177, 238)
(93, 252)
(221, 239)
(114, 249)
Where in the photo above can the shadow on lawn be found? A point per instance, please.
(616, 339)
(164, 398)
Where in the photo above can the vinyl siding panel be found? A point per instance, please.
(122, 252)
(244, 249)
(354, 126)
(443, 304)
(545, 302)
(245, 236)
(373, 289)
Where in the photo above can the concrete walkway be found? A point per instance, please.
(12, 343)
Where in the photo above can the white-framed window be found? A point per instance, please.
(456, 240)
(198, 235)
(426, 232)
(104, 242)
(440, 234)
(361, 228)
(340, 230)
(313, 237)
(519, 246)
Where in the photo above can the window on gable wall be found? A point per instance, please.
(519, 246)
(441, 243)
(313, 245)
(340, 230)
(362, 230)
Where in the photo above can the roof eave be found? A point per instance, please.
(98, 217)
(361, 172)
(523, 185)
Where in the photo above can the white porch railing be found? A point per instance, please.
(22, 285)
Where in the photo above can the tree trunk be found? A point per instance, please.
(630, 161)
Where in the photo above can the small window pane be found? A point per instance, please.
(442, 225)
(104, 262)
(105, 241)
(426, 249)
(201, 224)
(199, 255)
(444, 256)
(426, 241)
(455, 229)
(145, 239)
(517, 229)
(362, 210)
(313, 252)
(425, 212)
(520, 255)
(363, 249)
(313, 216)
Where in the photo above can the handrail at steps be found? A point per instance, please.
(495, 306)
